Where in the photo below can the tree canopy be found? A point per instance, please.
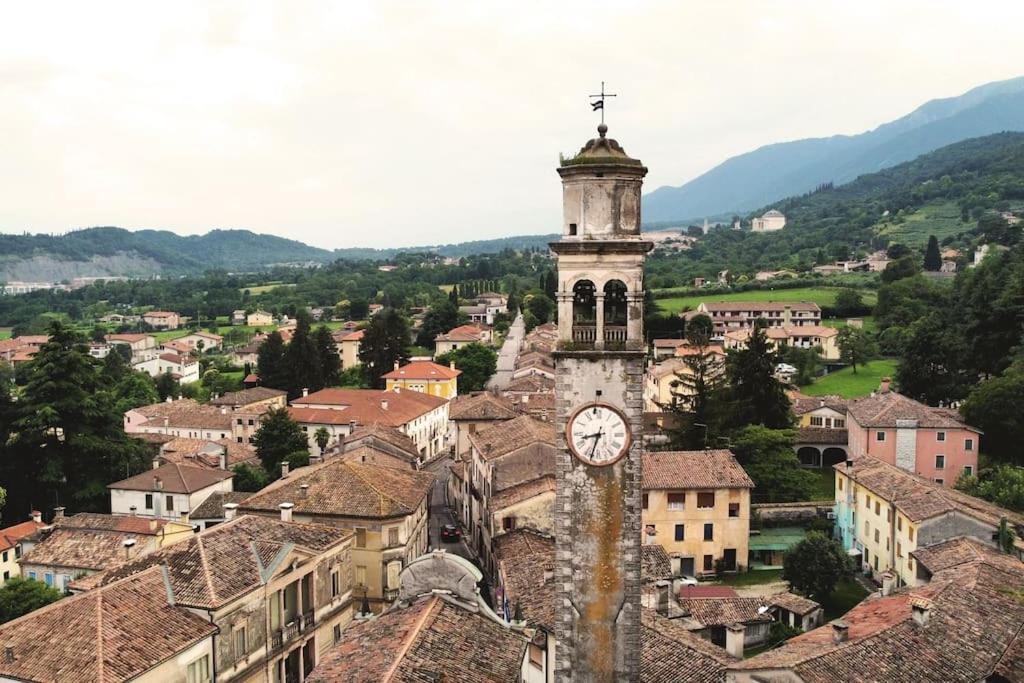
(278, 437)
(815, 565)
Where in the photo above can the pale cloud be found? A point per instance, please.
(378, 123)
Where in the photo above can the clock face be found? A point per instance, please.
(598, 434)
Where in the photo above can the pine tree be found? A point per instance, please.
(453, 295)
(270, 363)
(385, 342)
(932, 257)
(329, 361)
(302, 360)
(754, 395)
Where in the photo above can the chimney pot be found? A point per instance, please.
(132, 510)
(37, 516)
(305, 391)
(883, 388)
(158, 484)
(286, 511)
(384, 404)
(284, 469)
(304, 489)
(58, 512)
(156, 463)
(921, 609)
(451, 364)
(734, 636)
(840, 631)
(849, 463)
(230, 510)
(396, 365)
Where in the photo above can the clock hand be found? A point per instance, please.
(594, 447)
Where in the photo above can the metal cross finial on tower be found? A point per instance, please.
(599, 104)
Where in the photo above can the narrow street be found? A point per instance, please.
(439, 512)
(508, 353)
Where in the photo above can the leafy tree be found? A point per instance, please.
(1002, 485)
(385, 342)
(68, 442)
(477, 363)
(932, 369)
(1006, 537)
(353, 377)
(815, 565)
(167, 386)
(806, 361)
(993, 406)
(849, 302)
(768, 457)
(932, 257)
(897, 251)
(135, 389)
(780, 633)
(856, 347)
(19, 596)
(900, 268)
(754, 395)
(278, 437)
(359, 309)
(249, 478)
(322, 438)
(540, 305)
(271, 365)
(438, 320)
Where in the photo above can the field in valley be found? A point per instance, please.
(823, 296)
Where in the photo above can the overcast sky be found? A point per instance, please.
(394, 124)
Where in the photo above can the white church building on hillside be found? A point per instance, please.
(769, 222)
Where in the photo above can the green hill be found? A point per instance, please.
(943, 193)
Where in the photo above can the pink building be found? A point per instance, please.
(931, 442)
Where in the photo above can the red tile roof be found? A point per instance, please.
(669, 653)
(711, 469)
(425, 370)
(885, 408)
(12, 535)
(366, 406)
(512, 435)
(175, 479)
(482, 406)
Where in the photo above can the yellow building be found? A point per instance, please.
(883, 513)
(664, 383)
(348, 349)
(825, 339)
(10, 545)
(426, 377)
(696, 504)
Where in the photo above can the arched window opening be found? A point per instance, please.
(584, 312)
(615, 303)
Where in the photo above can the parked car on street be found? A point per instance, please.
(450, 533)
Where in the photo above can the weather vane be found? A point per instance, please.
(599, 102)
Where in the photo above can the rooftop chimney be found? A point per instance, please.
(132, 510)
(888, 579)
(840, 631)
(849, 463)
(129, 543)
(286, 511)
(396, 365)
(305, 391)
(37, 516)
(156, 462)
(222, 459)
(9, 655)
(921, 608)
(451, 364)
(58, 513)
(734, 635)
(230, 510)
(383, 404)
(663, 589)
(158, 484)
(303, 490)
(284, 469)
(883, 388)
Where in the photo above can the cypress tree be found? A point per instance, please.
(932, 257)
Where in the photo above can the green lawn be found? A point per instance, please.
(825, 485)
(823, 296)
(260, 289)
(5, 333)
(847, 594)
(168, 335)
(848, 384)
(870, 325)
(751, 578)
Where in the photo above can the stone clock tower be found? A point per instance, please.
(598, 384)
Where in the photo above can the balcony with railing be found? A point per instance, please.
(584, 335)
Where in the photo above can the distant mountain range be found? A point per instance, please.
(109, 251)
(768, 174)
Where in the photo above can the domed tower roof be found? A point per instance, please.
(602, 151)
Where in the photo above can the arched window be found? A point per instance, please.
(584, 305)
(614, 303)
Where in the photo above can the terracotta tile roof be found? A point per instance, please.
(186, 413)
(247, 396)
(712, 469)
(114, 634)
(805, 404)
(712, 349)
(378, 433)
(136, 526)
(159, 314)
(530, 384)
(481, 406)
(797, 604)
(176, 359)
(705, 591)
(458, 469)
(175, 345)
(654, 562)
(12, 535)
(520, 492)
(432, 639)
(238, 452)
(365, 406)
(229, 560)
(526, 561)
(724, 611)
(423, 369)
(82, 549)
(919, 498)
(130, 338)
(669, 343)
(962, 550)
(821, 435)
(670, 653)
(347, 489)
(974, 629)
(470, 333)
(354, 336)
(213, 506)
(175, 478)
(885, 408)
(512, 435)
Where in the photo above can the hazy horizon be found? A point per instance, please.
(391, 124)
